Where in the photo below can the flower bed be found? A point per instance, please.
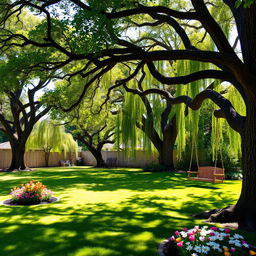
(30, 193)
(206, 241)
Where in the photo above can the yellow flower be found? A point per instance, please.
(178, 239)
(225, 249)
(226, 253)
(252, 252)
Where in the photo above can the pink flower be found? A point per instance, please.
(172, 238)
(191, 233)
(185, 229)
(212, 234)
(191, 238)
(180, 244)
(244, 242)
(227, 230)
(176, 233)
(214, 228)
(233, 249)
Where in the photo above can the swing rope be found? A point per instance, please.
(193, 145)
(194, 148)
(217, 148)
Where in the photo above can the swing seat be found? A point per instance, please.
(208, 174)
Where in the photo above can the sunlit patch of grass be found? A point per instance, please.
(104, 212)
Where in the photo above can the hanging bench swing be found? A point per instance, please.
(207, 173)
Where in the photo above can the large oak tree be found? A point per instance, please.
(94, 33)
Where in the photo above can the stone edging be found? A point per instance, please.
(8, 202)
(161, 248)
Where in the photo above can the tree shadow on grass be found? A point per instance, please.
(132, 226)
(104, 179)
(131, 229)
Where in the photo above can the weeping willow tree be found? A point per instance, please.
(50, 137)
(146, 122)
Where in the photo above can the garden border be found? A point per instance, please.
(8, 202)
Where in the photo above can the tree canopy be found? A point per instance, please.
(51, 137)
(94, 37)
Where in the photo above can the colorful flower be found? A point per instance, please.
(210, 241)
(31, 192)
(180, 244)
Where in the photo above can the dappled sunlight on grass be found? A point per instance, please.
(104, 212)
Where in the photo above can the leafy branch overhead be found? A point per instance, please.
(192, 40)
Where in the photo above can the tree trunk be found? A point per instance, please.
(244, 212)
(18, 154)
(166, 155)
(245, 209)
(168, 142)
(46, 158)
(98, 157)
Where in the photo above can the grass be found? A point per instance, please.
(119, 212)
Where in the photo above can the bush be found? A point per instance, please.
(234, 175)
(155, 167)
(30, 193)
(208, 241)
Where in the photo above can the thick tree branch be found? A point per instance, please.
(212, 27)
(152, 10)
(235, 120)
(204, 74)
(177, 27)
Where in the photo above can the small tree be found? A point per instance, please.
(51, 137)
(90, 128)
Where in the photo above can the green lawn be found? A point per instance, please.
(120, 212)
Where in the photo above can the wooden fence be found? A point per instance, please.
(141, 158)
(35, 158)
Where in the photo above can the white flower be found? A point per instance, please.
(198, 249)
(235, 242)
(194, 254)
(205, 249)
(211, 243)
(189, 247)
(201, 238)
(212, 238)
(237, 236)
(183, 234)
(219, 237)
(246, 245)
(221, 229)
(216, 247)
(203, 232)
(238, 244)
(205, 227)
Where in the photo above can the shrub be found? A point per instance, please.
(208, 241)
(30, 193)
(155, 167)
(234, 175)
